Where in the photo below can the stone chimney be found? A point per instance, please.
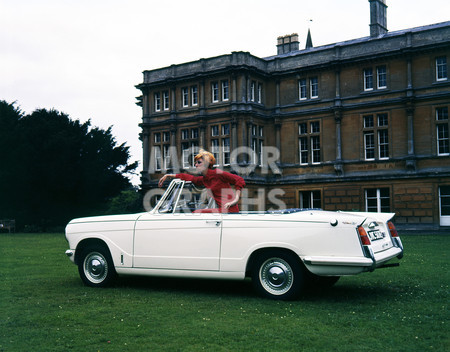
(378, 21)
(287, 43)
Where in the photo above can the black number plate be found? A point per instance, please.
(376, 235)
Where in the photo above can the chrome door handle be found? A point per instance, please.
(217, 222)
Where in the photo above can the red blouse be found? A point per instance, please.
(219, 182)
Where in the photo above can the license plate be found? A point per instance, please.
(376, 235)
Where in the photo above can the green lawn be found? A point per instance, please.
(45, 307)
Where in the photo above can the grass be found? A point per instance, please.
(45, 307)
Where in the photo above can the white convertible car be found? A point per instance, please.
(282, 251)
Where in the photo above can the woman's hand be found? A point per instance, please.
(163, 179)
(234, 201)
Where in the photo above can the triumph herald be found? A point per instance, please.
(282, 251)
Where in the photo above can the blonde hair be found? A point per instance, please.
(206, 156)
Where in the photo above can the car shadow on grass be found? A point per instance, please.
(341, 292)
(238, 288)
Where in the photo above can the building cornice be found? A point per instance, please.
(432, 37)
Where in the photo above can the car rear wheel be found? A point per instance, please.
(278, 275)
(96, 267)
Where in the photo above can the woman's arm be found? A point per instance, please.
(163, 179)
(234, 201)
(197, 180)
(232, 179)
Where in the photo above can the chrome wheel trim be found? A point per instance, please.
(276, 276)
(95, 267)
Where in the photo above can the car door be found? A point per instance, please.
(178, 241)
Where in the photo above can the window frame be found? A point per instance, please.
(252, 91)
(444, 202)
(310, 197)
(441, 68)
(379, 198)
(162, 149)
(185, 97)
(225, 90)
(259, 93)
(376, 136)
(314, 87)
(158, 157)
(157, 101)
(166, 100)
(308, 88)
(194, 95)
(381, 76)
(309, 142)
(442, 131)
(257, 144)
(215, 92)
(368, 79)
(189, 144)
(302, 89)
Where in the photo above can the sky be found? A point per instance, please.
(85, 57)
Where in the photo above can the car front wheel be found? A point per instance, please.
(96, 267)
(278, 275)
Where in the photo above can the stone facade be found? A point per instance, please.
(357, 125)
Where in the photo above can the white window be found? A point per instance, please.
(369, 145)
(215, 92)
(188, 151)
(310, 200)
(442, 131)
(225, 130)
(189, 146)
(315, 127)
(166, 137)
(368, 79)
(157, 150)
(257, 144)
(314, 87)
(444, 205)
(441, 68)
(225, 91)
(383, 137)
(381, 77)
(226, 151)
(157, 101)
(215, 149)
(185, 96)
(252, 91)
(302, 89)
(194, 95)
(315, 149)
(215, 130)
(377, 200)
(309, 142)
(376, 138)
(383, 144)
(166, 100)
(185, 154)
(166, 156)
(303, 143)
(259, 93)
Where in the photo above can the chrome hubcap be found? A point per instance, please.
(95, 267)
(276, 276)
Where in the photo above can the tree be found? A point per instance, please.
(54, 168)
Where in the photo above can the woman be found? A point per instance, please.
(218, 182)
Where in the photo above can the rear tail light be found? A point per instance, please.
(363, 236)
(392, 229)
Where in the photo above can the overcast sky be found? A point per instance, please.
(84, 57)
